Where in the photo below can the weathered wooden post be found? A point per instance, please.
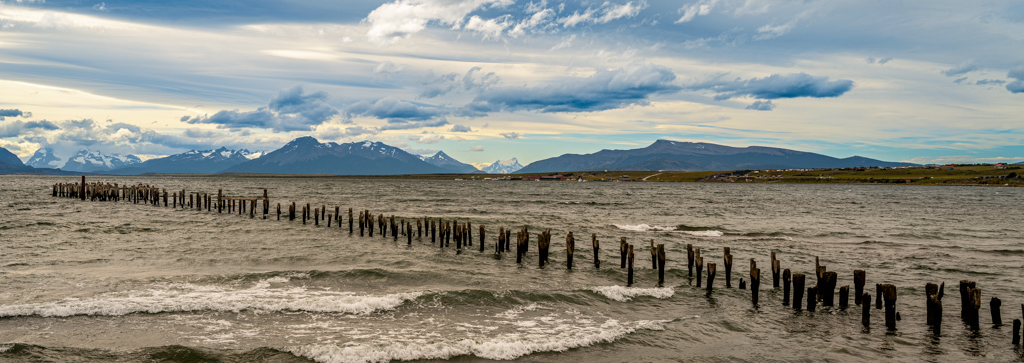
(165, 197)
(508, 237)
(865, 310)
(994, 305)
(433, 231)
(689, 260)
(798, 291)
(483, 241)
(787, 280)
(350, 223)
(661, 264)
(629, 259)
(330, 218)
(776, 271)
(844, 297)
(623, 251)
(858, 286)
(305, 213)
(316, 216)
(889, 296)
(278, 211)
(501, 240)
(81, 188)
(827, 288)
(1016, 331)
(291, 212)
(933, 307)
(878, 296)
(597, 248)
(711, 277)
(654, 256)
(812, 298)
(727, 260)
(698, 262)
(570, 247)
(974, 301)
(408, 233)
(743, 284)
(755, 284)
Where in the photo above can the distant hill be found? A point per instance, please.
(689, 156)
(98, 162)
(503, 167)
(9, 159)
(44, 158)
(191, 162)
(306, 155)
(11, 164)
(446, 162)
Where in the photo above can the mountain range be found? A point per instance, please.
(307, 155)
(90, 161)
(689, 156)
(446, 162)
(503, 167)
(191, 162)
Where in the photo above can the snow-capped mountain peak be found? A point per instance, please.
(96, 161)
(44, 158)
(503, 167)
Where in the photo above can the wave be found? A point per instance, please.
(184, 297)
(623, 294)
(688, 230)
(557, 338)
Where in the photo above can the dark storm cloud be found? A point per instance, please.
(776, 86)
(4, 113)
(289, 110)
(393, 109)
(605, 90)
(1018, 85)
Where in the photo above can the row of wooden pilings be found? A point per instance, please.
(443, 233)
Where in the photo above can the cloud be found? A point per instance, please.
(461, 128)
(31, 128)
(607, 89)
(960, 70)
(393, 109)
(699, 8)
(760, 105)
(399, 20)
(769, 31)
(604, 14)
(477, 148)
(490, 28)
(427, 139)
(1018, 85)
(985, 82)
(289, 110)
(510, 135)
(540, 19)
(777, 86)
(452, 82)
(4, 113)
(885, 60)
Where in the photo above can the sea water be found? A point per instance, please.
(116, 281)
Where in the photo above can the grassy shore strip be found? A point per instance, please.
(981, 174)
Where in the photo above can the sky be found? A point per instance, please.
(483, 80)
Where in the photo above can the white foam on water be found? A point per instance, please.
(181, 297)
(650, 228)
(642, 227)
(622, 293)
(5, 347)
(709, 233)
(508, 346)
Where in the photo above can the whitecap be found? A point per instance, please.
(188, 297)
(622, 293)
(545, 338)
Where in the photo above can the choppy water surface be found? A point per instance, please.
(104, 281)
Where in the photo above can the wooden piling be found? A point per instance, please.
(570, 247)
(787, 280)
(974, 301)
(865, 310)
(350, 223)
(776, 271)
(812, 298)
(623, 250)
(878, 296)
(844, 297)
(501, 241)
(727, 261)
(689, 260)
(858, 286)
(305, 212)
(743, 284)
(889, 297)
(1016, 331)
(698, 262)
(661, 264)
(629, 258)
(278, 211)
(798, 291)
(933, 307)
(597, 248)
(755, 285)
(995, 304)
(408, 233)
(827, 288)
(482, 239)
(81, 188)
(711, 277)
